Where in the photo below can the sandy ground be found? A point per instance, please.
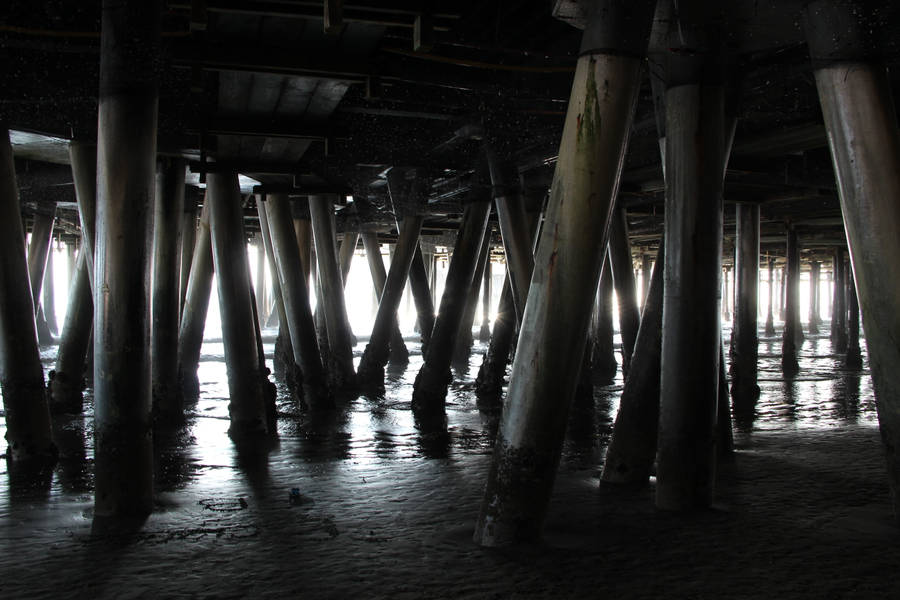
(802, 512)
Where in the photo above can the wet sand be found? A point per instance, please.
(802, 511)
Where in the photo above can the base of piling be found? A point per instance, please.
(64, 393)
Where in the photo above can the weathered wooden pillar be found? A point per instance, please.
(489, 382)
(28, 434)
(430, 388)
(789, 344)
(696, 153)
(298, 317)
(484, 334)
(632, 447)
(196, 306)
(188, 240)
(246, 382)
(566, 274)
(861, 121)
(396, 350)
(814, 318)
(745, 337)
(38, 251)
(839, 305)
(380, 346)
(603, 353)
(853, 360)
(167, 220)
(340, 371)
(126, 161)
(465, 338)
(623, 279)
(770, 312)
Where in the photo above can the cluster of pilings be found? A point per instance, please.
(555, 312)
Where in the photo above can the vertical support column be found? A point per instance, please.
(126, 155)
(262, 303)
(283, 360)
(745, 344)
(247, 406)
(464, 338)
(770, 312)
(632, 447)
(489, 383)
(782, 295)
(321, 210)
(430, 388)
(839, 306)
(188, 239)
(375, 356)
(646, 268)
(623, 279)
(21, 374)
(167, 216)
(696, 153)
(726, 313)
(814, 318)
(566, 274)
(484, 333)
(603, 354)
(196, 306)
(861, 121)
(67, 379)
(298, 317)
(38, 251)
(514, 230)
(853, 360)
(49, 297)
(789, 364)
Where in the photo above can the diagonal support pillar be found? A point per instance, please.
(396, 344)
(247, 383)
(375, 356)
(196, 306)
(623, 279)
(566, 274)
(861, 121)
(430, 388)
(321, 211)
(21, 375)
(294, 290)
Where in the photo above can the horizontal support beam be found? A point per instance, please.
(376, 13)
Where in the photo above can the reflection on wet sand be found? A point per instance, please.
(367, 471)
